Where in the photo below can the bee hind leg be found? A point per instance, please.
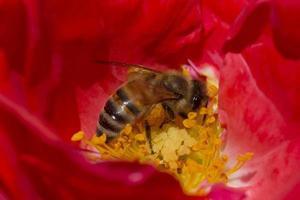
(148, 136)
(170, 113)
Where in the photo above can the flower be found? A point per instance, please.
(51, 87)
(189, 148)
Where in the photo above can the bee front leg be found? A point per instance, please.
(168, 111)
(170, 115)
(205, 115)
(148, 135)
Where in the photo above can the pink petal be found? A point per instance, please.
(279, 79)
(253, 122)
(221, 192)
(276, 172)
(294, 193)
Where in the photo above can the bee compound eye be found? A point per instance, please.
(198, 96)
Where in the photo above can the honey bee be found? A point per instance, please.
(145, 88)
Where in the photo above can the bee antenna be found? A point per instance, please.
(194, 68)
(123, 64)
(105, 62)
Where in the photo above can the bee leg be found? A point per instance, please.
(170, 114)
(148, 135)
(205, 115)
(204, 118)
(169, 111)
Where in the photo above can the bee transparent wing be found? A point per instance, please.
(142, 83)
(134, 73)
(149, 93)
(133, 70)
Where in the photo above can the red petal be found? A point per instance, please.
(286, 27)
(13, 32)
(285, 22)
(35, 164)
(227, 10)
(90, 102)
(59, 42)
(248, 26)
(215, 32)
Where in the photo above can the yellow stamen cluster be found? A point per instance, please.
(190, 149)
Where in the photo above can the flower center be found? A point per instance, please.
(190, 149)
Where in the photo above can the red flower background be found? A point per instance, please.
(51, 87)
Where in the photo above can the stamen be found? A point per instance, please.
(77, 136)
(189, 123)
(192, 115)
(212, 90)
(241, 160)
(189, 149)
(98, 140)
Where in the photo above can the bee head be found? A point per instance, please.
(198, 94)
(176, 84)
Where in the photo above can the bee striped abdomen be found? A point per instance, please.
(108, 125)
(118, 111)
(127, 102)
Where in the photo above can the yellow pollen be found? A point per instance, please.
(189, 123)
(192, 115)
(77, 136)
(189, 149)
(212, 90)
(98, 140)
(210, 120)
(203, 111)
(156, 116)
(245, 157)
(127, 130)
(139, 137)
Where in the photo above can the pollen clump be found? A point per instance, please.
(190, 149)
(172, 144)
(156, 116)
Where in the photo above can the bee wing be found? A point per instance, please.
(140, 87)
(133, 70)
(137, 73)
(149, 93)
